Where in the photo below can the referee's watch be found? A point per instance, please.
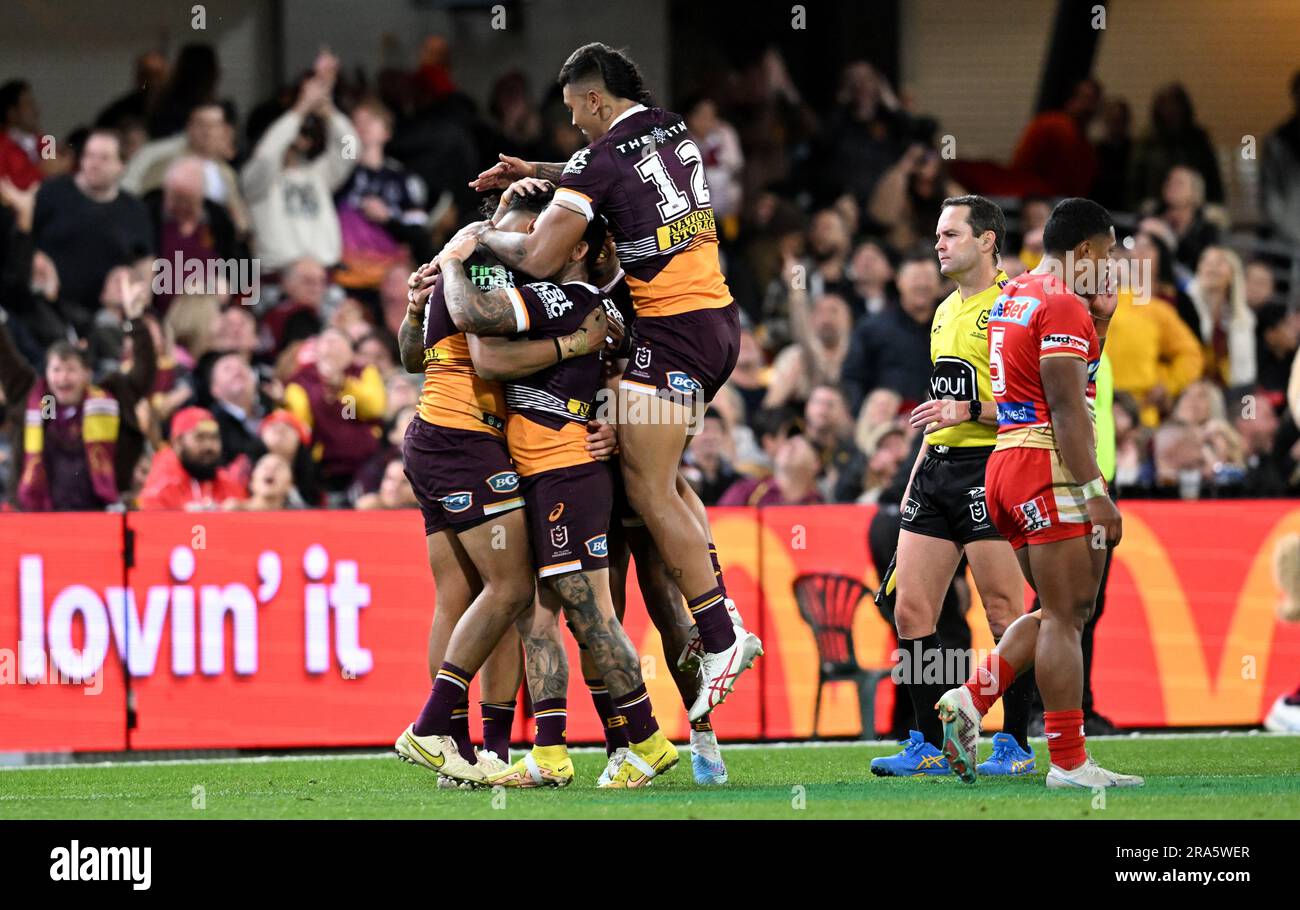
(976, 408)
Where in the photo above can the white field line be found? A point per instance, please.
(388, 753)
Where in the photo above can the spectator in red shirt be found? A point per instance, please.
(20, 153)
(794, 482)
(188, 475)
(1055, 147)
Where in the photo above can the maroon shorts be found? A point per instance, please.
(1032, 498)
(684, 357)
(461, 478)
(568, 518)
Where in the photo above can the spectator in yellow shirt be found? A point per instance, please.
(1153, 352)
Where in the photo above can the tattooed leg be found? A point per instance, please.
(546, 664)
(589, 608)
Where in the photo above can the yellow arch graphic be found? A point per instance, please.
(1191, 695)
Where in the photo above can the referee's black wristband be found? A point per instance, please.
(559, 352)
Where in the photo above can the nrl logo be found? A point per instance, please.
(642, 358)
(560, 537)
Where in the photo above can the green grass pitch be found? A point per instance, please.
(1230, 777)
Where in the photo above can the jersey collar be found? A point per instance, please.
(634, 109)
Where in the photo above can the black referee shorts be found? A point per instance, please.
(947, 496)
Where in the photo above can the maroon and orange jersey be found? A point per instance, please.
(646, 177)
(1031, 321)
(547, 424)
(454, 395)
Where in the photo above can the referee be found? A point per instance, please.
(943, 508)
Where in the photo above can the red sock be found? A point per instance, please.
(991, 679)
(1065, 741)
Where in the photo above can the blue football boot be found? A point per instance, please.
(1008, 759)
(917, 758)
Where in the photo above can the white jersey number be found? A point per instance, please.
(673, 201)
(997, 377)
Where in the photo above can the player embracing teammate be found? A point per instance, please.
(645, 175)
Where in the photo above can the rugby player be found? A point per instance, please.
(943, 510)
(1045, 492)
(456, 459)
(567, 500)
(645, 174)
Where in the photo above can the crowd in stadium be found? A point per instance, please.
(131, 378)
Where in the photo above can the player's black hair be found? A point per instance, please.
(594, 235)
(10, 92)
(612, 67)
(983, 215)
(1072, 222)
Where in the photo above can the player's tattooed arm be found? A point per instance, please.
(410, 338)
(548, 170)
(472, 310)
(545, 250)
(602, 633)
(502, 359)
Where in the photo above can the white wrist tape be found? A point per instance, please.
(1094, 488)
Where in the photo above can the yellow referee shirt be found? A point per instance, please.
(959, 354)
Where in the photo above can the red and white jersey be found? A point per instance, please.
(1033, 319)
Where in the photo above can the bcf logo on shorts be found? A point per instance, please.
(642, 358)
(1032, 515)
(504, 482)
(680, 382)
(457, 502)
(598, 546)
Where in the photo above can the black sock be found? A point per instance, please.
(925, 661)
(1015, 708)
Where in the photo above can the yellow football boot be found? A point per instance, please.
(644, 762)
(544, 766)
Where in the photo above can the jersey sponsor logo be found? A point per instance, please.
(975, 492)
(491, 277)
(598, 546)
(493, 421)
(684, 228)
(658, 136)
(1032, 515)
(910, 508)
(554, 300)
(556, 512)
(577, 163)
(1015, 412)
(953, 377)
(681, 382)
(1061, 340)
(560, 537)
(578, 408)
(1014, 309)
(504, 482)
(642, 358)
(457, 502)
